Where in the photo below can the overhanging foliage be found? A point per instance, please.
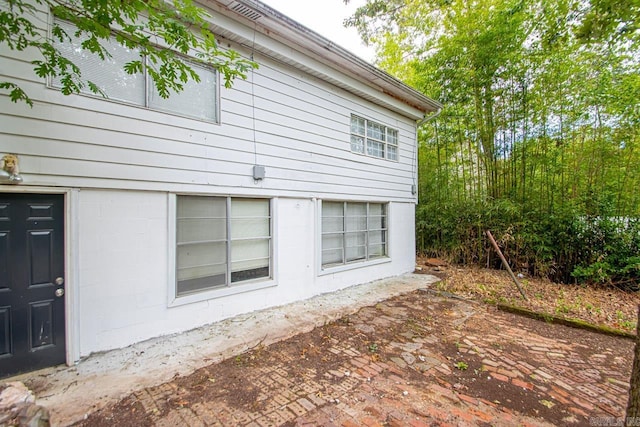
(162, 32)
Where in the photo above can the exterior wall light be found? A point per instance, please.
(9, 169)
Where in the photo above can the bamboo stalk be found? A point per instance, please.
(505, 263)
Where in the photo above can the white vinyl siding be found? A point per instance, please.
(217, 249)
(293, 123)
(197, 99)
(373, 139)
(353, 231)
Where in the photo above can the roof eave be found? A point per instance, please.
(308, 41)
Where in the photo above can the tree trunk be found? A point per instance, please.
(633, 407)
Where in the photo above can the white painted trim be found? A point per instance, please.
(317, 229)
(353, 266)
(389, 234)
(171, 250)
(274, 261)
(72, 268)
(71, 264)
(222, 292)
(173, 300)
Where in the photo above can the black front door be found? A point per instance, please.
(32, 328)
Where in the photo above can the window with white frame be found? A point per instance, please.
(221, 241)
(353, 231)
(373, 139)
(197, 100)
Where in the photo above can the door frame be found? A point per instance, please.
(71, 267)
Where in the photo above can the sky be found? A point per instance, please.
(325, 17)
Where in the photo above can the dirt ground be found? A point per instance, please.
(596, 305)
(417, 359)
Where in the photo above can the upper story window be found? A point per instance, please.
(373, 139)
(197, 100)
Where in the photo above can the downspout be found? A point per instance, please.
(414, 187)
(428, 118)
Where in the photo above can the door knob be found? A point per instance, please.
(59, 281)
(59, 292)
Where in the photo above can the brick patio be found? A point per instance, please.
(547, 374)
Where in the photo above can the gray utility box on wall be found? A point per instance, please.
(258, 172)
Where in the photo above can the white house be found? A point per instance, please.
(135, 217)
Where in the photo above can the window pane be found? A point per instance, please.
(107, 74)
(375, 148)
(392, 152)
(332, 217)
(249, 208)
(357, 223)
(356, 253)
(332, 237)
(201, 266)
(356, 246)
(357, 125)
(378, 250)
(250, 259)
(246, 228)
(201, 219)
(195, 100)
(375, 130)
(208, 258)
(377, 237)
(377, 223)
(249, 253)
(356, 217)
(201, 229)
(251, 239)
(357, 144)
(356, 209)
(332, 249)
(377, 209)
(201, 207)
(201, 233)
(332, 208)
(392, 136)
(250, 218)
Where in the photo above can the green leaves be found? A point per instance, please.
(609, 21)
(15, 93)
(164, 33)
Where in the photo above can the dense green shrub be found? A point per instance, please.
(609, 251)
(563, 245)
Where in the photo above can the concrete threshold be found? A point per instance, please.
(71, 393)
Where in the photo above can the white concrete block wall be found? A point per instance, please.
(123, 285)
(121, 265)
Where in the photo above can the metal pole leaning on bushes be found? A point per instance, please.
(506, 264)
